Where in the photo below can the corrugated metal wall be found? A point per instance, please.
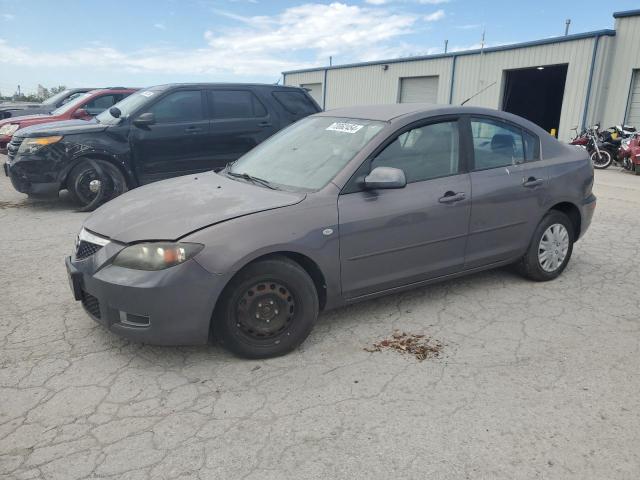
(474, 72)
(616, 57)
(625, 58)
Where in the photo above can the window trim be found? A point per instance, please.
(210, 110)
(147, 108)
(303, 93)
(355, 183)
(472, 153)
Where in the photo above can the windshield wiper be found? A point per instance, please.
(251, 178)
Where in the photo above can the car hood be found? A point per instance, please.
(22, 110)
(25, 118)
(62, 127)
(171, 209)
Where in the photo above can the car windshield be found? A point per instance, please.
(127, 106)
(70, 105)
(308, 154)
(56, 98)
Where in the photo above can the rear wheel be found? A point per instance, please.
(267, 310)
(94, 182)
(601, 160)
(550, 248)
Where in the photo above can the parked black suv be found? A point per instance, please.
(155, 133)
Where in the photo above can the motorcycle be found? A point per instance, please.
(629, 154)
(599, 153)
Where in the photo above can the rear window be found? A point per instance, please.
(296, 103)
(235, 104)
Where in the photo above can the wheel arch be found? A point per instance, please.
(573, 212)
(131, 183)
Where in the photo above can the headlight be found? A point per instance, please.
(156, 255)
(9, 129)
(32, 145)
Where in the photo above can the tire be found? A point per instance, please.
(637, 169)
(111, 183)
(551, 230)
(282, 294)
(603, 162)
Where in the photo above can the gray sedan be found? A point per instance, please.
(343, 206)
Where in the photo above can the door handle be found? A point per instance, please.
(264, 124)
(532, 182)
(192, 129)
(452, 197)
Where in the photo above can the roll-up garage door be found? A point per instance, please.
(633, 111)
(419, 90)
(315, 90)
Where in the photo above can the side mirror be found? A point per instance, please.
(145, 119)
(80, 114)
(384, 178)
(115, 112)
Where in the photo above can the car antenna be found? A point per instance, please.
(478, 93)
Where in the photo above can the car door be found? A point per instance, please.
(509, 184)
(390, 238)
(239, 122)
(176, 143)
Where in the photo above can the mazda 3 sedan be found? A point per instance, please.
(342, 206)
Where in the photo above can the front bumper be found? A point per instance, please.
(33, 176)
(166, 307)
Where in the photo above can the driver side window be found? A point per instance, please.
(180, 106)
(423, 153)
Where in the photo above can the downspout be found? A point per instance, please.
(453, 76)
(591, 70)
(324, 90)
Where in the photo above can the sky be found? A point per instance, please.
(138, 43)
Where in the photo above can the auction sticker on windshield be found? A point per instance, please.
(344, 127)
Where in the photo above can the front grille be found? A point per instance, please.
(13, 146)
(86, 249)
(91, 304)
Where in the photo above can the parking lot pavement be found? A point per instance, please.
(536, 380)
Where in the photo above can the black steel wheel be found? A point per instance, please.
(267, 310)
(94, 182)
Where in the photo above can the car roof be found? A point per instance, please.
(167, 86)
(398, 111)
(100, 91)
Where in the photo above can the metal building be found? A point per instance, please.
(560, 83)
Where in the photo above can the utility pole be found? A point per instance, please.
(446, 45)
(330, 60)
(566, 26)
(482, 42)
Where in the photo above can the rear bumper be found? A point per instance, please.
(167, 307)
(587, 210)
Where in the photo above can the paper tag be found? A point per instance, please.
(344, 127)
(146, 94)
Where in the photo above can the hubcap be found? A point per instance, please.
(553, 247)
(94, 186)
(265, 310)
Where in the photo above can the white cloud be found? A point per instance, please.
(377, 2)
(469, 26)
(259, 45)
(435, 16)
(8, 17)
(432, 2)
(160, 26)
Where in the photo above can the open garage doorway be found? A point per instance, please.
(536, 94)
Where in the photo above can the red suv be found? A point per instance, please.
(83, 107)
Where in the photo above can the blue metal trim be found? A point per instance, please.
(627, 13)
(324, 90)
(591, 70)
(453, 77)
(501, 48)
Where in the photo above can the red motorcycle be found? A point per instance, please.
(629, 154)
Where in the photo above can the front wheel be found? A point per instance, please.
(601, 160)
(94, 182)
(267, 310)
(550, 248)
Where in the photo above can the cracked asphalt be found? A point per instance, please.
(536, 380)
